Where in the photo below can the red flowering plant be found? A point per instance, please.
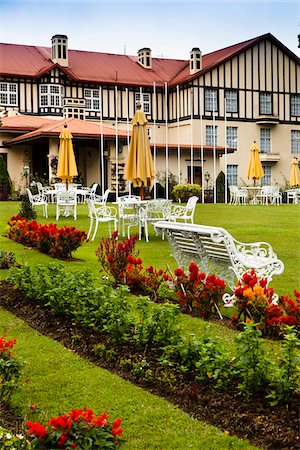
(113, 255)
(79, 429)
(47, 238)
(10, 369)
(286, 312)
(252, 297)
(143, 281)
(197, 292)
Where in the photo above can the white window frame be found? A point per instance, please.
(211, 132)
(92, 99)
(8, 94)
(51, 95)
(211, 100)
(231, 101)
(295, 105)
(145, 101)
(267, 178)
(231, 137)
(265, 103)
(232, 174)
(295, 141)
(265, 140)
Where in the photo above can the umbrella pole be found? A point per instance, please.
(142, 193)
(254, 181)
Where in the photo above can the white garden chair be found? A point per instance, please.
(66, 203)
(184, 213)
(237, 196)
(101, 213)
(38, 200)
(128, 212)
(153, 211)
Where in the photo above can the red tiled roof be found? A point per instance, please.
(31, 61)
(78, 128)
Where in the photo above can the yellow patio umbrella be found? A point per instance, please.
(139, 166)
(295, 173)
(255, 170)
(66, 166)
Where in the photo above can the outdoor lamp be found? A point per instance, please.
(207, 178)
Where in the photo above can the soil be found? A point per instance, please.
(264, 426)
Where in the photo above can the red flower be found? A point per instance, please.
(36, 429)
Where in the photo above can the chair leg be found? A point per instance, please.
(96, 228)
(75, 211)
(90, 229)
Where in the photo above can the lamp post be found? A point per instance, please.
(207, 178)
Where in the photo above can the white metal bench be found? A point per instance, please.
(216, 251)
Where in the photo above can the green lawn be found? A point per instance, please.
(59, 380)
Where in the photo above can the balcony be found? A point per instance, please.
(269, 157)
(267, 119)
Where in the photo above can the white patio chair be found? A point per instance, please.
(266, 195)
(153, 211)
(237, 196)
(45, 190)
(101, 214)
(128, 212)
(293, 195)
(66, 203)
(38, 200)
(277, 196)
(184, 213)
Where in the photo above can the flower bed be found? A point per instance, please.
(10, 369)
(56, 242)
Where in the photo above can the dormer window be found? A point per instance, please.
(60, 49)
(144, 58)
(195, 61)
(51, 95)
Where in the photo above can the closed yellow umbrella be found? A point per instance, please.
(295, 173)
(255, 170)
(66, 166)
(139, 166)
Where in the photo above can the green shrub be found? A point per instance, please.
(7, 259)
(183, 192)
(26, 209)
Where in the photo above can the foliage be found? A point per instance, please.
(197, 292)
(26, 209)
(157, 326)
(79, 428)
(183, 192)
(5, 181)
(254, 301)
(286, 372)
(220, 187)
(172, 181)
(7, 259)
(14, 442)
(47, 238)
(113, 255)
(252, 365)
(10, 369)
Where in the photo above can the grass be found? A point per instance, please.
(59, 380)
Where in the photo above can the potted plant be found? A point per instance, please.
(5, 182)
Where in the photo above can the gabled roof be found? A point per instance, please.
(31, 61)
(52, 128)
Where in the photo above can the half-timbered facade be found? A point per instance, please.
(204, 112)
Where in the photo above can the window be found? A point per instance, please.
(51, 95)
(266, 179)
(211, 100)
(211, 135)
(232, 175)
(145, 102)
(92, 99)
(265, 140)
(265, 103)
(231, 137)
(231, 101)
(295, 105)
(8, 94)
(295, 141)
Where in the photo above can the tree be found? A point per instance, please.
(5, 181)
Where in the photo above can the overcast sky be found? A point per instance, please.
(171, 29)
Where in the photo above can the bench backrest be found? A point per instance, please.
(216, 251)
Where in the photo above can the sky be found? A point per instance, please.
(170, 28)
